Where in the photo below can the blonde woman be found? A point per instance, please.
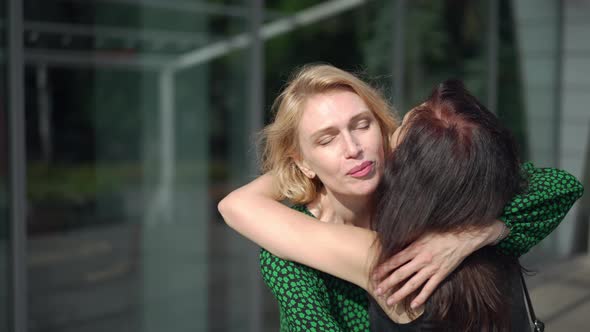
(324, 152)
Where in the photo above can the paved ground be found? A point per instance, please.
(561, 295)
(560, 292)
(98, 280)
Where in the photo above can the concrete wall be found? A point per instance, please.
(557, 125)
(575, 111)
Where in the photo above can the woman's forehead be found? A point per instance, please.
(332, 108)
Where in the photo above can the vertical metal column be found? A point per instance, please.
(559, 83)
(44, 104)
(256, 72)
(18, 166)
(255, 124)
(399, 52)
(167, 144)
(581, 237)
(493, 37)
(159, 210)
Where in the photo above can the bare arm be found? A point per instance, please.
(427, 261)
(340, 250)
(527, 219)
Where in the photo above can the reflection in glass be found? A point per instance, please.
(118, 148)
(444, 39)
(137, 124)
(529, 91)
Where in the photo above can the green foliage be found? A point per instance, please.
(79, 183)
(83, 183)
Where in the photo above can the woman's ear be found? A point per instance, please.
(304, 167)
(392, 139)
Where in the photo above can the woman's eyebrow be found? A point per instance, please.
(330, 129)
(327, 130)
(363, 114)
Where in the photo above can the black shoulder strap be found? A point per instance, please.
(538, 326)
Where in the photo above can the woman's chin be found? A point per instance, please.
(364, 188)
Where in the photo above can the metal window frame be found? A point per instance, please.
(16, 61)
(492, 56)
(17, 168)
(255, 124)
(398, 53)
(557, 107)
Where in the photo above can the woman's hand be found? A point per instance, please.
(428, 261)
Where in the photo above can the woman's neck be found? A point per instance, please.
(341, 209)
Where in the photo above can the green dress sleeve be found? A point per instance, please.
(535, 213)
(310, 300)
(301, 293)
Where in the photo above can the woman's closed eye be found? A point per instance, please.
(363, 124)
(325, 140)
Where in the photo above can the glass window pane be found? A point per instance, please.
(443, 40)
(139, 122)
(356, 38)
(4, 181)
(529, 70)
(128, 149)
(529, 90)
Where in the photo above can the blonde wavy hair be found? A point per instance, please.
(280, 143)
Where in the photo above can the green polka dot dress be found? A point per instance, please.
(310, 300)
(535, 213)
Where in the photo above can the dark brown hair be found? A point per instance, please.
(455, 169)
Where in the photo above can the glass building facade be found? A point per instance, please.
(124, 122)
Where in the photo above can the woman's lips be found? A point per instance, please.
(361, 170)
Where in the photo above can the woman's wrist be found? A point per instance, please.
(491, 235)
(502, 234)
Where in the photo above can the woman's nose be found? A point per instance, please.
(353, 148)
